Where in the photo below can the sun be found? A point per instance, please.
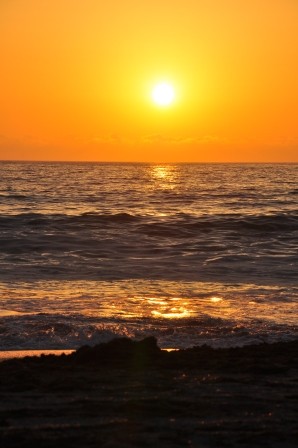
(163, 94)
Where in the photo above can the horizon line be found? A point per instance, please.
(147, 162)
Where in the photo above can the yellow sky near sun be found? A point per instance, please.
(77, 75)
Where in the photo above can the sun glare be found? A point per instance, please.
(163, 94)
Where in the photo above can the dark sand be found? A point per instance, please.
(129, 394)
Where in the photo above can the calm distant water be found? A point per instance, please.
(189, 253)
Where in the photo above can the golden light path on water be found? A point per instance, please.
(66, 315)
(147, 300)
(138, 306)
(164, 176)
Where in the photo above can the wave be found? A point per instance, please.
(39, 219)
(182, 221)
(21, 197)
(126, 245)
(53, 331)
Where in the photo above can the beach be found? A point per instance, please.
(131, 394)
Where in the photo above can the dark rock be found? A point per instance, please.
(121, 350)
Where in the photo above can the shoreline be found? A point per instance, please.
(12, 354)
(19, 354)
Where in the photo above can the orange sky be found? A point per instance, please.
(76, 79)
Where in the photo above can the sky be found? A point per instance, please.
(76, 80)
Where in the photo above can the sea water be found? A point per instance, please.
(189, 253)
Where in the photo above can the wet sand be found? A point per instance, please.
(132, 394)
(10, 354)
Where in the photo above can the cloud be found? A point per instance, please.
(162, 139)
(110, 139)
(208, 140)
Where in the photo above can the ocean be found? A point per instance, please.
(192, 254)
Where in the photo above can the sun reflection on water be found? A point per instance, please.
(164, 176)
(175, 313)
(216, 299)
(147, 302)
(180, 309)
(164, 308)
